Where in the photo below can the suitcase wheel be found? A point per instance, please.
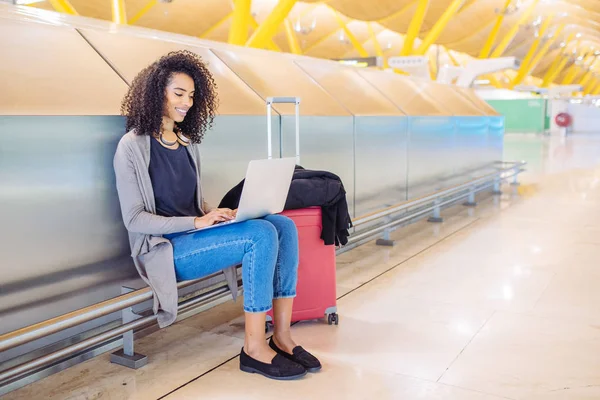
(333, 319)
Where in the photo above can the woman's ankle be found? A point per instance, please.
(260, 351)
(283, 340)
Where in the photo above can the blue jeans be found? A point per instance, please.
(267, 249)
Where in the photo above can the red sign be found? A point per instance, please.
(563, 120)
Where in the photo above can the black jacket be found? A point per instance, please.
(309, 189)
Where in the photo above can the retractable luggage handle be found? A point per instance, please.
(283, 100)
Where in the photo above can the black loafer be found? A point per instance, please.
(300, 356)
(280, 368)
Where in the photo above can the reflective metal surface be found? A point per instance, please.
(381, 162)
(471, 136)
(62, 239)
(494, 149)
(326, 143)
(431, 159)
(229, 147)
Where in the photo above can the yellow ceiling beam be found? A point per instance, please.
(576, 69)
(590, 85)
(327, 36)
(508, 38)
(489, 43)
(320, 41)
(494, 81)
(557, 66)
(596, 86)
(376, 44)
(587, 77)
(433, 69)
(217, 25)
(414, 28)
(63, 6)
(597, 90)
(357, 45)
(545, 49)
(271, 45)
(143, 11)
(238, 32)
(439, 27)
(292, 39)
(572, 73)
(119, 12)
(553, 70)
(527, 61)
(452, 58)
(265, 32)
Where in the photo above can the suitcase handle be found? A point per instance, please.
(283, 100)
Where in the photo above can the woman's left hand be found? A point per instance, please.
(231, 213)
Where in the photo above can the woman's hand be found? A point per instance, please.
(215, 216)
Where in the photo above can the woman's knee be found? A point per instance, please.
(262, 232)
(284, 225)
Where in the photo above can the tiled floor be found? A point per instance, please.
(498, 302)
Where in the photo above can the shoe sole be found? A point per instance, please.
(313, 370)
(251, 370)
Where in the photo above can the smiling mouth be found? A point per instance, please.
(181, 111)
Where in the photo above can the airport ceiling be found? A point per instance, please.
(556, 29)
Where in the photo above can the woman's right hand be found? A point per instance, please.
(215, 216)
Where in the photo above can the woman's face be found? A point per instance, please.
(179, 96)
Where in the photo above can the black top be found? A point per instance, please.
(173, 177)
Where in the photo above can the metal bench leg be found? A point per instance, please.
(436, 217)
(386, 240)
(497, 190)
(471, 200)
(127, 357)
(515, 181)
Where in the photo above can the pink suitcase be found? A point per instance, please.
(316, 289)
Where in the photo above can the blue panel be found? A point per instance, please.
(470, 148)
(326, 143)
(496, 138)
(228, 148)
(381, 162)
(430, 154)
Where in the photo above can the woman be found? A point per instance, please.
(169, 107)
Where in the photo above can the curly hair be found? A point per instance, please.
(145, 100)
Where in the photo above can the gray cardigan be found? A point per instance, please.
(153, 254)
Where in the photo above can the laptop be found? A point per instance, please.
(265, 190)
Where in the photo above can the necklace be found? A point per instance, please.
(182, 139)
(164, 141)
